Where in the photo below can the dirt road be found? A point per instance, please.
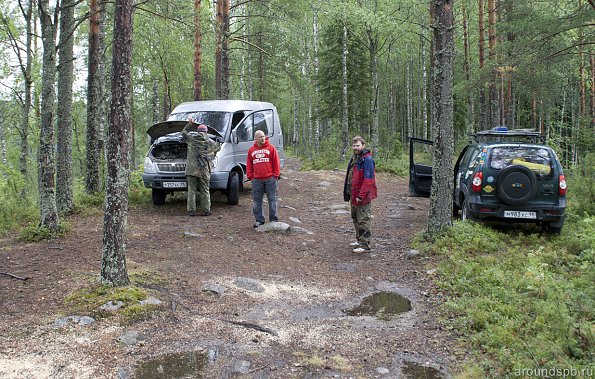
(283, 305)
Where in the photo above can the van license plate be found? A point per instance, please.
(174, 184)
(520, 214)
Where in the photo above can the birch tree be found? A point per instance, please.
(197, 52)
(440, 211)
(113, 262)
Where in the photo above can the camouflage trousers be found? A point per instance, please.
(198, 187)
(362, 217)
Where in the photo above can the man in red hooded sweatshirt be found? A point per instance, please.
(360, 189)
(263, 169)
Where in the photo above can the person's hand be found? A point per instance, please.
(190, 120)
(358, 199)
(276, 177)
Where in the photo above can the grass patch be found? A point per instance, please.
(87, 301)
(519, 300)
(36, 233)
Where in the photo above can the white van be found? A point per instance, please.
(231, 123)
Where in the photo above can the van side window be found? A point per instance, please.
(245, 130)
(263, 120)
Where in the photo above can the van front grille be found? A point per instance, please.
(171, 167)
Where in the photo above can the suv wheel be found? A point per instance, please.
(158, 196)
(233, 189)
(465, 211)
(516, 185)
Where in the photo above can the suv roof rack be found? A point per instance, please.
(503, 134)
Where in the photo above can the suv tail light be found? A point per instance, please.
(477, 180)
(562, 186)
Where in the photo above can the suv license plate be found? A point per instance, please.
(174, 184)
(520, 214)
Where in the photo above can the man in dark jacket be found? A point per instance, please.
(263, 169)
(201, 150)
(360, 189)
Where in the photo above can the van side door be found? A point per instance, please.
(244, 133)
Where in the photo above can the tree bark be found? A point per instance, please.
(225, 50)
(64, 185)
(113, 263)
(440, 212)
(410, 132)
(47, 161)
(316, 82)
(197, 52)
(218, 47)
(94, 100)
(494, 100)
(483, 107)
(345, 119)
(471, 126)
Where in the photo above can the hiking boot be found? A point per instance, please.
(361, 250)
(192, 213)
(205, 213)
(257, 224)
(354, 244)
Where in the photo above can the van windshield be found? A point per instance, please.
(216, 120)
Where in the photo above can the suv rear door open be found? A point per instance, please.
(420, 167)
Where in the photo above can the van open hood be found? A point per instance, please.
(166, 127)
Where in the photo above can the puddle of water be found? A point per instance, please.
(416, 371)
(176, 365)
(382, 305)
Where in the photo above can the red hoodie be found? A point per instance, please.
(263, 162)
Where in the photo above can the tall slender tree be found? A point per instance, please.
(197, 52)
(47, 161)
(64, 184)
(94, 99)
(113, 262)
(440, 212)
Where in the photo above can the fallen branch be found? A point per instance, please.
(252, 326)
(14, 276)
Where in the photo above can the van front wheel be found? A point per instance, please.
(233, 189)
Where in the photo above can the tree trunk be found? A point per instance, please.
(64, 185)
(94, 101)
(3, 141)
(47, 162)
(28, 83)
(440, 212)
(470, 127)
(483, 107)
(225, 49)
(155, 102)
(113, 263)
(592, 59)
(296, 121)
(494, 100)
(424, 86)
(316, 83)
(197, 52)
(218, 47)
(373, 46)
(345, 105)
(410, 131)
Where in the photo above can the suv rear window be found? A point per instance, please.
(537, 159)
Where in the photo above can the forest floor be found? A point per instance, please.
(283, 305)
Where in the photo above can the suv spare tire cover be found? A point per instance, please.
(516, 185)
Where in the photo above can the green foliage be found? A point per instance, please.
(138, 194)
(521, 300)
(36, 232)
(15, 210)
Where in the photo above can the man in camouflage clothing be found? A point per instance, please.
(201, 150)
(360, 189)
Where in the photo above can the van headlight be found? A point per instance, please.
(213, 162)
(150, 166)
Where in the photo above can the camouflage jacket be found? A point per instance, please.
(201, 150)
